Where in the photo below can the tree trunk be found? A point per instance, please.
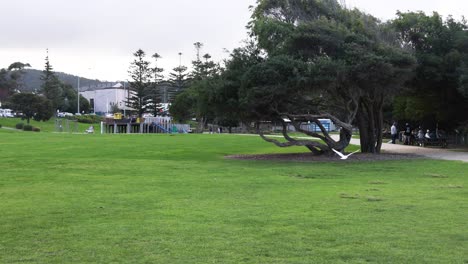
(316, 147)
(370, 124)
(379, 127)
(201, 125)
(362, 123)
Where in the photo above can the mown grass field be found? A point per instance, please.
(176, 199)
(48, 126)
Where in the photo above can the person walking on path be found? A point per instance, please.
(394, 132)
(407, 134)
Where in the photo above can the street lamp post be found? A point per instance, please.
(78, 90)
(125, 106)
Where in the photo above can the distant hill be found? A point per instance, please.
(32, 80)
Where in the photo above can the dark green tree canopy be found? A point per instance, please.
(51, 85)
(354, 62)
(32, 106)
(11, 79)
(274, 87)
(438, 92)
(141, 73)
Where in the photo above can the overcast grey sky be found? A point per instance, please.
(96, 38)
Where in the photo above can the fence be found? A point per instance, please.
(458, 139)
(66, 125)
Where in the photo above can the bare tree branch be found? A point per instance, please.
(291, 142)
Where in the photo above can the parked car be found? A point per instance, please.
(6, 113)
(64, 114)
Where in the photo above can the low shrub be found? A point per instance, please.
(87, 119)
(19, 126)
(36, 129)
(0, 125)
(27, 128)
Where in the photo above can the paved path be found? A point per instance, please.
(430, 152)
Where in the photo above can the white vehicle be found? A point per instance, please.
(6, 113)
(64, 114)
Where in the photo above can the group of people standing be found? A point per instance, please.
(409, 134)
(406, 133)
(220, 130)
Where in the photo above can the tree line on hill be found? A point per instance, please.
(29, 80)
(41, 104)
(311, 59)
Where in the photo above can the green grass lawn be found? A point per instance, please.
(175, 199)
(48, 126)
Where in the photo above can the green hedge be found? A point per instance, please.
(87, 119)
(27, 128)
(19, 126)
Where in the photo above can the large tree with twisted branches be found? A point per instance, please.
(322, 61)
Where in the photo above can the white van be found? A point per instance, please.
(7, 113)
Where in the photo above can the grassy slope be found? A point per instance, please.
(174, 199)
(48, 126)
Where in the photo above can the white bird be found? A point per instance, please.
(343, 157)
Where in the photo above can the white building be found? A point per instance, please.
(102, 98)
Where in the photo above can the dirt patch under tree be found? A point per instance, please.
(310, 157)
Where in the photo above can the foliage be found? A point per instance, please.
(51, 87)
(11, 79)
(114, 108)
(64, 96)
(141, 74)
(346, 63)
(179, 81)
(31, 80)
(89, 119)
(158, 76)
(274, 87)
(202, 69)
(182, 107)
(32, 106)
(69, 100)
(197, 100)
(36, 129)
(84, 199)
(438, 91)
(19, 126)
(225, 102)
(17, 72)
(5, 85)
(28, 128)
(157, 91)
